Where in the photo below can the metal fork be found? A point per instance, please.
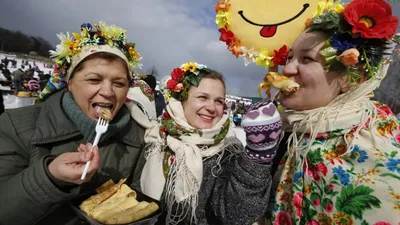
(101, 128)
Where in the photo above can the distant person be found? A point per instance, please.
(18, 78)
(1, 103)
(6, 72)
(158, 96)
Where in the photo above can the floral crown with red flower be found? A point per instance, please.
(178, 83)
(361, 35)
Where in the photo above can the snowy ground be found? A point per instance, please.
(12, 101)
(240, 134)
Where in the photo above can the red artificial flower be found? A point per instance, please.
(226, 36)
(222, 6)
(280, 57)
(371, 18)
(171, 84)
(234, 47)
(166, 116)
(177, 74)
(163, 130)
(178, 88)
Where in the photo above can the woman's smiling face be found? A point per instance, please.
(306, 67)
(100, 83)
(205, 105)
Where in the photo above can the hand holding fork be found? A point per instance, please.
(101, 128)
(68, 166)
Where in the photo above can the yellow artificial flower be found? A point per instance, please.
(263, 59)
(223, 19)
(115, 32)
(324, 6)
(134, 54)
(338, 8)
(77, 36)
(191, 66)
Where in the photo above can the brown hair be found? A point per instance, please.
(215, 76)
(109, 57)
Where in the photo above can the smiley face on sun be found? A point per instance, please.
(255, 29)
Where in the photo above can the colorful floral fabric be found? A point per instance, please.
(147, 91)
(329, 184)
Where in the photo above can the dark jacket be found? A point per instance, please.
(28, 136)
(160, 102)
(18, 75)
(1, 103)
(238, 194)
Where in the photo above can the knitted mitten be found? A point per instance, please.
(263, 126)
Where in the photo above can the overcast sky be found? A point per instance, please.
(167, 32)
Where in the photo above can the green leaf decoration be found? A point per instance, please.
(328, 52)
(364, 222)
(224, 131)
(354, 75)
(315, 157)
(390, 175)
(327, 21)
(195, 79)
(393, 154)
(131, 44)
(325, 202)
(314, 196)
(282, 207)
(379, 165)
(355, 200)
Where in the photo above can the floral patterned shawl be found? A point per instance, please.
(342, 164)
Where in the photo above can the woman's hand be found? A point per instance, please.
(69, 166)
(263, 126)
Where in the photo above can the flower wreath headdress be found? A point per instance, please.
(361, 34)
(75, 47)
(178, 83)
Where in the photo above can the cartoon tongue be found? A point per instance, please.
(268, 31)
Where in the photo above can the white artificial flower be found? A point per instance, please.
(249, 55)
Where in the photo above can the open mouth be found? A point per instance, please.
(205, 118)
(98, 106)
(269, 30)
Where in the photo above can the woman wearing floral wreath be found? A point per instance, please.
(342, 164)
(196, 165)
(44, 147)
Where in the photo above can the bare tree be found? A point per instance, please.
(153, 71)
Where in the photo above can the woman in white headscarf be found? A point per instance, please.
(194, 163)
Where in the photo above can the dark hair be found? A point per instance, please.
(109, 57)
(151, 81)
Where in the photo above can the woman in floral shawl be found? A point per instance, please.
(342, 164)
(196, 165)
